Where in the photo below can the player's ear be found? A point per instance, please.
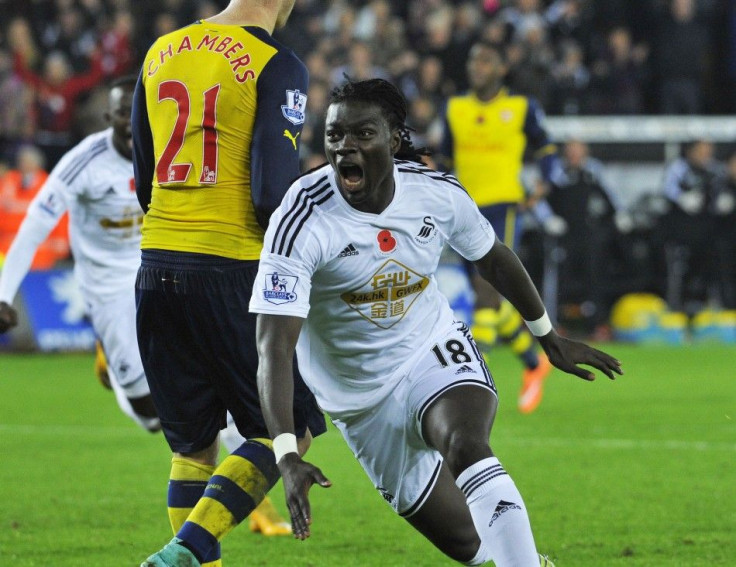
(395, 141)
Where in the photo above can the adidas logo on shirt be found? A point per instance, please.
(464, 368)
(349, 250)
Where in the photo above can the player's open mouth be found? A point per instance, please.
(351, 176)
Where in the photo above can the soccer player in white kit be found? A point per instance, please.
(347, 278)
(94, 182)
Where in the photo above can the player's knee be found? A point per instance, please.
(463, 449)
(465, 550)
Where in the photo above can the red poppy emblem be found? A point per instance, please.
(386, 241)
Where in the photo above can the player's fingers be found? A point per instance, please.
(321, 479)
(298, 525)
(606, 364)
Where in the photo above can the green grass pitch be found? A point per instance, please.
(636, 472)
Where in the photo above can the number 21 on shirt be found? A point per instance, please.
(167, 171)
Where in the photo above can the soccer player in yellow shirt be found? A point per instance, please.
(217, 117)
(487, 132)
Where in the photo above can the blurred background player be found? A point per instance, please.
(486, 134)
(217, 117)
(94, 182)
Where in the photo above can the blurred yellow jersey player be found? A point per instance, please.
(216, 123)
(487, 132)
(219, 162)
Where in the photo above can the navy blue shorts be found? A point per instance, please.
(198, 346)
(505, 221)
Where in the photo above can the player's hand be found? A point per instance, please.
(298, 477)
(566, 354)
(8, 317)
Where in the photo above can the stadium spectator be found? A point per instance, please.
(207, 200)
(16, 119)
(71, 33)
(402, 381)
(618, 76)
(18, 187)
(488, 130)
(690, 184)
(724, 210)
(593, 215)
(530, 59)
(359, 65)
(681, 49)
(570, 81)
(56, 92)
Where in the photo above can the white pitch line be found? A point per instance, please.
(69, 430)
(597, 443)
(614, 444)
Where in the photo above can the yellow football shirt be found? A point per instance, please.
(216, 144)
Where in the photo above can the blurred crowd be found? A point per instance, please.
(576, 57)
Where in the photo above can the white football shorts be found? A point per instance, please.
(387, 438)
(114, 324)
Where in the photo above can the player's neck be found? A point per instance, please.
(239, 15)
(489, 93)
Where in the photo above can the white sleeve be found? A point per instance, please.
(472, 235)
(284, 280)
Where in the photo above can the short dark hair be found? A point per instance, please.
(493, 46)
(392, 103)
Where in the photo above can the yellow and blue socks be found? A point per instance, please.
(187, 483)
(506, 325)
(235, 488)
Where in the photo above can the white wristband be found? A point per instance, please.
(283, 444)
(540, 327)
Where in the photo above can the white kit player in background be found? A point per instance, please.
(94, 182)
(354, 249)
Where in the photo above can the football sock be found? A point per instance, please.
(499, 514)
(187, 483)
(236, 487)
(513, 331)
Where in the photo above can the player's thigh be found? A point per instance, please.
(228, 329)
(178, 369)
(386, 442)
(445, 520)
(114, 324)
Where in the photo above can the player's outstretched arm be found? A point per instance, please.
(8, 317)
(276, 337)
(504, 271)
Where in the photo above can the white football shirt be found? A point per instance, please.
(95, 184)
(364, 282)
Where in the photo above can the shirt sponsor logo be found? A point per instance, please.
(296, 104)
(279, 288)
(388, 295)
